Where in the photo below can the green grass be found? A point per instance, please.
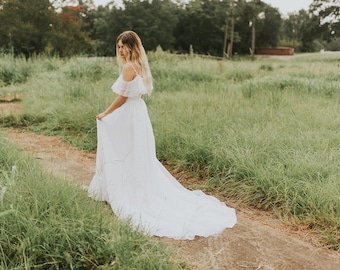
(13, 70)
(47, 223)
(264, 133)
(268, 138)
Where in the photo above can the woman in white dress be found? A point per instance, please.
(128, 175)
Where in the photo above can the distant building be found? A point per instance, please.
(275, 51)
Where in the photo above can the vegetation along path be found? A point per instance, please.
(258, 241)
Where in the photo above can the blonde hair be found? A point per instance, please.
(135, 54)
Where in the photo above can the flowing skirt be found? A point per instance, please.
(137, 186)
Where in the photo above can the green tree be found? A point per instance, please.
(201, 25)
(35, 26)
(154, 21)
(264, 18)
(313, 33)
(291, 30)
(68, 36)
(268, 27)
(328, 13)
(164, 23)
(301, 30)
(25, 25)
(106, 30)
(310, 30)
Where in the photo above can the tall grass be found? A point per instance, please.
(269, 137)
(63, 98)
(263, 132)
(13, 70)
(46, 223)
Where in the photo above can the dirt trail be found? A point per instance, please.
(258, 240)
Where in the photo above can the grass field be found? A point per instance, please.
(48, 223)
(265, 133)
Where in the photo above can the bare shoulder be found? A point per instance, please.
(128, 72)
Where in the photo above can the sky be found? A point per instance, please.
(287, 6)
(284, 6)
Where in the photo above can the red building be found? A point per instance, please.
(276, 51)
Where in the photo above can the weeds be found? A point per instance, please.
(264, 132)
(48, 223)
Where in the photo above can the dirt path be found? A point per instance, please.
(258, 240)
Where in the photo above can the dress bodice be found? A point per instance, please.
(131, 89)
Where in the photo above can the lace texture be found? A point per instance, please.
(134, 88)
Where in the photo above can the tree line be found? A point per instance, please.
(213, 27)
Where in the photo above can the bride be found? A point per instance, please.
(128, 174)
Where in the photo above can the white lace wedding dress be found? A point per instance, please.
(137, 186)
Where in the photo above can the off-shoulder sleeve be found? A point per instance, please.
(133, 88)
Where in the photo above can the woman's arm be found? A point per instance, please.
(119, 101)
(128, 75)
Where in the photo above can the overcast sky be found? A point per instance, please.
(284, 6)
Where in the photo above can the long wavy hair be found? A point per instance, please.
(135, 54)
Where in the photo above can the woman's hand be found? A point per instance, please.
(101, 116)
(119, 101)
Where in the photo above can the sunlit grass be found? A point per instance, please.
(264, 133)
(47, 223)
